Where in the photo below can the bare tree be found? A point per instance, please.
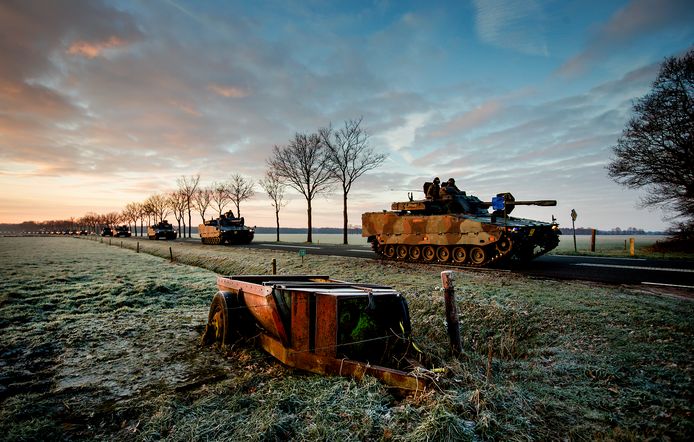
(303, 163)
(202, 200)
(274, 186)
(110, 219)
(131, 213)
(188, 185)
(656, 149)
(350, 156)
(158, 206)
(240, 189)
(177, 203)
(220, 196)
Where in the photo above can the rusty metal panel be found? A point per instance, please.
(300, 317)
(326, 325)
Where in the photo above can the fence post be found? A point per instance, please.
(452, 320)
(138, 247)
(274, 266)
(592, 240)
(632, 247)
(171, 254)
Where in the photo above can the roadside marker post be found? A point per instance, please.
(452, 321)
(632, 247)
(302, 253)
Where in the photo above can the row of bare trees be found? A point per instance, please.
(190, 196)
(311, 164)
(314, 163)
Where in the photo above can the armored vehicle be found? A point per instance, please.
(106, 231)
(226, 229)
(123, 231)
(451, 227)
(162, 230)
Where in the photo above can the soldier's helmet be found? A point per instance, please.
(437, 180)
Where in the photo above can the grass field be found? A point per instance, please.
(100, 342)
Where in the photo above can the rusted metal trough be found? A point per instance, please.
(317, 324)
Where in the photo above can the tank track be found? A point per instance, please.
(211, 241)
(491, 252)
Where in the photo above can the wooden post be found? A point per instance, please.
(274, 266)
(109, 241)
(121, 244)
(632, 247)
(171, 254)
(451, 312)
(592, 240)
(138, 247)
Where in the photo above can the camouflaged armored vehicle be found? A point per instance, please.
(451, 227)
(226, 229)
(161, 230)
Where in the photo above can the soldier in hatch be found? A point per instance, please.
(451, 188)
(433, 191)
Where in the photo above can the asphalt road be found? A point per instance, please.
(631, 271)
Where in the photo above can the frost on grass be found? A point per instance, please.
(98, 341)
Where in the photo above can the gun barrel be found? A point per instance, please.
(545, 203)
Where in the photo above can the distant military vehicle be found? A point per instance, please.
(123, 231)
(226, 229)
(106, 231)
(451, 227)
(163, 230)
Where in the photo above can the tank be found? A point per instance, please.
(226, 229)
(122, 231)
(449, 226)
(161, 230)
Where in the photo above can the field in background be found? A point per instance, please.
(101, 342)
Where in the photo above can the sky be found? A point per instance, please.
(104, 103)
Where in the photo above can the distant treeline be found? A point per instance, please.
(615, 231)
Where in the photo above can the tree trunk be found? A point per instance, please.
(344, 217)
(189, 222)
(309, 237)
(277, 219)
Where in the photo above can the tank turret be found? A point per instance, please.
(450, 226)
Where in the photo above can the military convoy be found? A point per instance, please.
(225, 229)
(454, 228)
(161, 230)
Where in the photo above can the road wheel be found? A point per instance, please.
(401, 251)
(220, 328)
(389, 250)
(443, 254)
(503, 245)
(415, 253)
(459, 255)
(428, 253)
(477, 255)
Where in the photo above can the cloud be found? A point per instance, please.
(228, 91)
(511, 24)
(638, 18)
(94, 49)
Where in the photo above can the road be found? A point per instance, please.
(633, 271)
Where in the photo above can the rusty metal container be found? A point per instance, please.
(458, 229)
(317, 324)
